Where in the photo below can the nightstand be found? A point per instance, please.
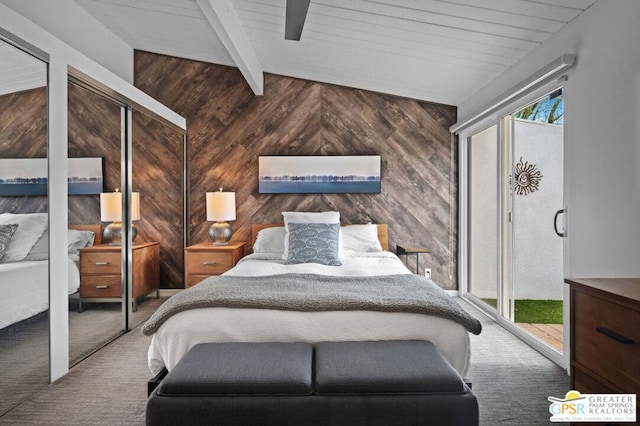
(204, 260)
(414, 251)
(101, 272)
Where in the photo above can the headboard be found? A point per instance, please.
(383, 234)
(96, 229)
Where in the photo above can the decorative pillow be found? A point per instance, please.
(314, 243)
(270, 240)
(30, 229)
(305, 217)
(361, 238)
(6, 233)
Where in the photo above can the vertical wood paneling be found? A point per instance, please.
(228, 128)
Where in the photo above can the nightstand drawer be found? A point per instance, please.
(208, 263)
(607, 340)
(100, 262)
(101, 286)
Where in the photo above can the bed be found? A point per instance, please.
(174, 335)
(24, 280)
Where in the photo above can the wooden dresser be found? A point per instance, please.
(204, 260)
(100, 272)
(605, 335)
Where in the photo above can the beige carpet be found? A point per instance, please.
(108, 388)
(24, 347)
(511, 381)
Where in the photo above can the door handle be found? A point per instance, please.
(555, 223)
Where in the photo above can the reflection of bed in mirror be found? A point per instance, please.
(24, 272)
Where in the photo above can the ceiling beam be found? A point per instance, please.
(224, 21)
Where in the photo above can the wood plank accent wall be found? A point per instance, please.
(158, 176)
(23, 134)
(228, 128)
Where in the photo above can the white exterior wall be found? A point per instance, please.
(537, 250)
(602, 135)
(80, 30)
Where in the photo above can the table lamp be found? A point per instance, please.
(221, 206)
(111, 211)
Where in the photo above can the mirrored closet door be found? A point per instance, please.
(96, 315)
(24, 264)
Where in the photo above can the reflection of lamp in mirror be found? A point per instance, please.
(111, 211)
(221, 206)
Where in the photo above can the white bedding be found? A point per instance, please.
(186, 329)
(24, 288)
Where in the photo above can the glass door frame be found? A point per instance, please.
(504, 209)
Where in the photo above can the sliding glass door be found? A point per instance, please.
(533, 141)
(512, 168)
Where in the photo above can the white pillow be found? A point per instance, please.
(270, 240)
(361, 238)
(76, 240)
(30, 228)
(79, 239)
(40, 250)
(306, 217)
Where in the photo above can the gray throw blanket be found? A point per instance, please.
(312, 292)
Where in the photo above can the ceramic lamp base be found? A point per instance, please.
(220, 233)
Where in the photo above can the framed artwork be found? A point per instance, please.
(29, 176)
(314, 174)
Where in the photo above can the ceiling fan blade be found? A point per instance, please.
(296, 15)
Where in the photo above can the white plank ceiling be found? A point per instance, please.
(436, 50)
(20, 71)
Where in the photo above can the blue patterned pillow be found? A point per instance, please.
(314, 243)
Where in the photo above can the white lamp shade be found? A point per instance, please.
(221, 206)
(111, 206)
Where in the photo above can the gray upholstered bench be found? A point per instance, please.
(335, 383)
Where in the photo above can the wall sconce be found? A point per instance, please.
(111, 211)
(221, 206)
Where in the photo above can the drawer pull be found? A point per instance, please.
(615, 336)
(209, 263)
(102, 263)
(102, 287)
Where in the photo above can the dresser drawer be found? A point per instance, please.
(209, 263)
(101, 263)
(598, 327)
(108, 286)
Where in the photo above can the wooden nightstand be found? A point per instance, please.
(100, 272)
(204, 260)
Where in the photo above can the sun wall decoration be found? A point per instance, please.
(527, 178)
